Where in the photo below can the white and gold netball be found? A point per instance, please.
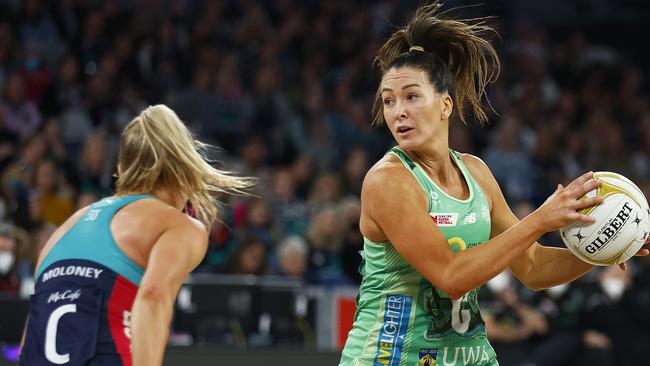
(622, 223)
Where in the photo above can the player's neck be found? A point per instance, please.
(437, 163)
(166, 195)
(170, 197)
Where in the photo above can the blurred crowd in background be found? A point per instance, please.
(284, 89)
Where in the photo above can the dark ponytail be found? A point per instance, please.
(455, 54)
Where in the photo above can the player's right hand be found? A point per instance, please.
(562, 207)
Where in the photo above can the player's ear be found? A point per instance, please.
(447, 105)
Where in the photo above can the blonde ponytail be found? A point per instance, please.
(158, 151)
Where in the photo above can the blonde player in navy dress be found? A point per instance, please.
(108, 277)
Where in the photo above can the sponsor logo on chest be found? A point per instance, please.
(451, 218)
(444, 218)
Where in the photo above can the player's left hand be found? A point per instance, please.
(641, 253)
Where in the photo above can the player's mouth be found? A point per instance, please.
(404, 130)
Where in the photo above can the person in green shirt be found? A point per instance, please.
(436, 225)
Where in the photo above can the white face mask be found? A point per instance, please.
(613, 287)
(6, 261)
(557, 291)
(500, 282)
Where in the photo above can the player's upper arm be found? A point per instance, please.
(502, 216)
(177, 251)
(393, 200)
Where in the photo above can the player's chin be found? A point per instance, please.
(409, 144)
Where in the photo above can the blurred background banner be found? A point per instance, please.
(247, 311)
(285, 89)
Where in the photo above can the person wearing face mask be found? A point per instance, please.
(567, 342)
(513, 326)
(614, 318)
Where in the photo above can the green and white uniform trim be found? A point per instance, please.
(401, 319)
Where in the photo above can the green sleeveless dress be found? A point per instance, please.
(403, 320)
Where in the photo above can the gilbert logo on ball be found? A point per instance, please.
(622, 223)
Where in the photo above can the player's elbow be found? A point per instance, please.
(154, 293)
(538, 284)
(535, 287)
(452, 285)
(458, 290)
(532, 283)
(453, 289)
(455, 295)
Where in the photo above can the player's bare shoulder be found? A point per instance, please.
(475, 164)
(193, 232)
(194, 226)
(153, 217)
(389, 183)
(479, 169)
(386, 173)
(169, 216)
(481, 172)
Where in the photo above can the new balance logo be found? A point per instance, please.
(469, 219)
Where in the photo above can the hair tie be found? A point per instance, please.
(416, 48)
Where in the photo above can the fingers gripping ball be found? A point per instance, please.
(622, 223)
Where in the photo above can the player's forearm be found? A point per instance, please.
(150, 329)
(474, 266)
(553, 266)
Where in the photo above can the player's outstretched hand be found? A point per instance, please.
(562, 207)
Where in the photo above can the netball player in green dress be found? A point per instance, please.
(435, 223)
